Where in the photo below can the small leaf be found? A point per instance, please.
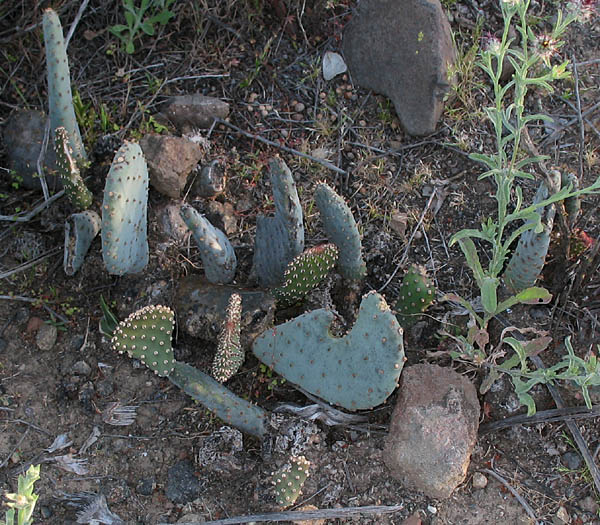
(148, 28)
(129, 47)
(534, 295)
(489, 298)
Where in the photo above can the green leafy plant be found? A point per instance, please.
(23, 502)
(142, 18)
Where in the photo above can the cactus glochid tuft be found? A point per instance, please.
(230, 354)
(416, 295)
(289, 480)
(146, 335)
(305, 272)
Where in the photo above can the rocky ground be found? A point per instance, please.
(58, 374)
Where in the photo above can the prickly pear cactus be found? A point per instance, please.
(527, 261)
(75, 189)
(357, 371)
(280, 238)
(289, 480)
(62, 113)
(218, 256)
(124, 212)
(416, 295)
(341, 229)
(146, 335)
(230, 354)
(80, 230)
(305, 272)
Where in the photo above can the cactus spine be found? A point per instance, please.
(124, 212)
(416, 295)
(216, 251)
(341, 229)
(305, 272)
(62, 113)
(75, 189)
(357, 371)
(289, 480)
(280, 238)
(80, 230)
(230, 354)
(527, 261)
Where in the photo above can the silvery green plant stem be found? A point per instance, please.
(24, 500)
(62, 113)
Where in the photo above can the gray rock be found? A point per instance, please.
(170, 161)
(201, 309)
(189, 112)
(222, 215)
(571, 460)
(210, 182)
(433, 430)
(82, 368)
(182, 484)
(146, 486)
(172, 224)
(402, 49)
(46, 336)
(23, 137)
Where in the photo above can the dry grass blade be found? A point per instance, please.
(118, 415)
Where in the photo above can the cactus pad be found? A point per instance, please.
(416, 295)
(280, 238)
(124, 212)
(289, 480)
(341, 229)
(146, 335)
(305, 272)
(62, 113)
(80, 230)
(230, 354)
(357, 371)
(218, 256)
(75, 189)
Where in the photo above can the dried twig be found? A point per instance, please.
(27, 216)
(514, 492)
(33, 301)
(579, 118)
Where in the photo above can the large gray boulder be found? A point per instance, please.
(433, 430)
(402, 49)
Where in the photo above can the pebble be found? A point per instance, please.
(589, 504)
(146, 487)
(479, 481)
(104, 388)
(297, 117)
(82, 368)
(571, 460)
(46, 336)
(299, 107)
(563, 515)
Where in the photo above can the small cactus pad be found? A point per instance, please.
(280, 238)
(75, 189)
(62, 112)
(230, 354)
(218, 256)
(80, 230)
(341, 229)
(289, 480)
(146, 335)
(305, 272)
(357, 371)
(527, 261)
(124, 212)
(416, 295)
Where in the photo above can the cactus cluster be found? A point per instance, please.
(124, 212)
(218, 256)
(68, 170)
(289, 480)
(357, 371)
(230, 354)
(80, 230)
(281, 237)
(341, 229)
(305, 272)
(415, 296)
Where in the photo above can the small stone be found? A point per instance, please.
(46, 336)
(77, 342)
(86, 394)
(297, 117)
(146, 486)
(571, 460)
(479, 481)
(171, 223)
(82, 368)
(563, 515)
(589, 504)
(190, 112)
(182, 484)
(299, 107)
(104, 388)
(211, 180)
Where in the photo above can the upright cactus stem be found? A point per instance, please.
(124, 212)
(62, 113)
(416, 295)
(218, 256)
(341, 229)
(68, 170)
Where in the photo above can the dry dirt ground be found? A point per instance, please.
(266, 64)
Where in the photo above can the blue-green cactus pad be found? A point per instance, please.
(80, 231)
(357, 371)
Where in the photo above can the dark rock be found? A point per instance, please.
(210, 182)
(82, 368)
(190, 112)
(402, 49)
(433, 430)
(77, 342)
(501, 399)
(201, 308)
(104, 388)
(222, 215)
(23, 137)
(172, 224)
(182, 484)
(46, 336)
(146, 487)
(571, 460)
(170, 161)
